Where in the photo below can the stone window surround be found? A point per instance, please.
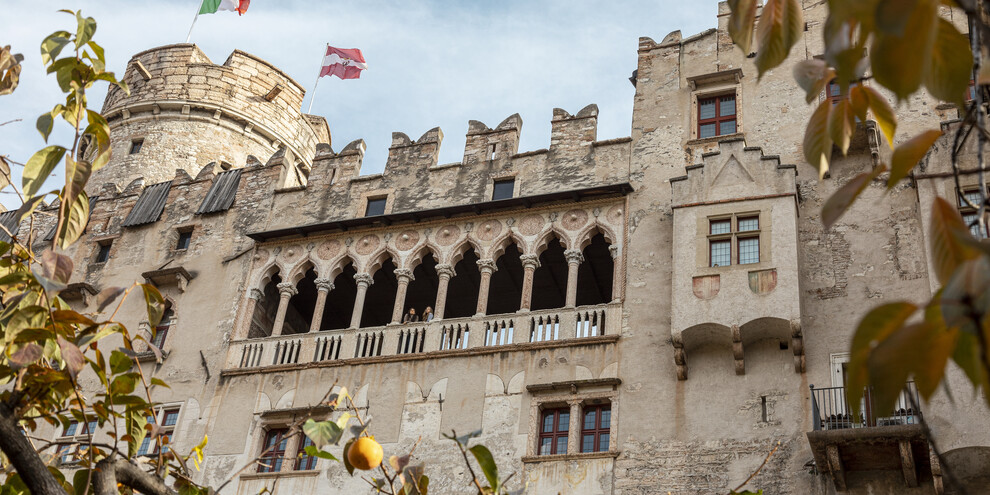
(82, 435)
(173, 237)
(362, 205)
(144, 329)
(490, 186)
(159, 417)
(964, 209)
(98, 242)
(703, 239)
(709, 86)
(284, 419)
(569, 394)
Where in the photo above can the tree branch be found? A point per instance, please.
(22, 455)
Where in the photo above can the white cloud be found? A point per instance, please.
(436, 63)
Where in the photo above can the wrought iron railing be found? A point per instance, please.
(830, 411)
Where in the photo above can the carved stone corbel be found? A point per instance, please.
(797, 343)
(680, 358)
(737, 350)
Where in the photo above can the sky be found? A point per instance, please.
(431, 63)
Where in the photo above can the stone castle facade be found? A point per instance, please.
(633, 316)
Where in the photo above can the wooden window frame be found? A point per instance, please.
(304, 462)
(77, 436)
(719, 118)
(165, 430)
(277, 455)
(734, 236)
(965, 209)
(555, 433)
(161, 331)
(597, 430)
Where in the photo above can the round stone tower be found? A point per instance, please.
(184, 111)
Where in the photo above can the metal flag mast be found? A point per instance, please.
(312, 96)
(198, 10)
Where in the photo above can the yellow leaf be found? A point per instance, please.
(840, 201)
(779, 28)
(949, 235)
(876, 326)
(899, 61)
(841, 124)
(817, 144)
(908, 154)
(882, 112)
(951, 66)
(741, 22)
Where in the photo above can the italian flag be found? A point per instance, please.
(212, 6)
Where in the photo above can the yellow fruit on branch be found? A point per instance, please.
(365, 454)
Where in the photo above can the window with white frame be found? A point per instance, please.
(969, 203)
(74, 435)
(734, 238)
(167, 418)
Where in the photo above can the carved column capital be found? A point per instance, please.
(445, 269)
(404, 274)
(487, 266)
(574, 256)
(324, 284)
(287, 289)
(256, 294)
(530, 261)
(364, 279)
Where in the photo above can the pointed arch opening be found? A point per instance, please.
(505, 291)
(422, 291)
(380, 299)
(340, 301)
(550, 279)
(462, 293)
(299, 314)
(263, 319)
(595, 273)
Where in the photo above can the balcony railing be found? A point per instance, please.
(831, 412)
(450, 334)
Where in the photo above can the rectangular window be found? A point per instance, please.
(748, 224)
(103, 254)
(553, 431)
(273, 450)
(184, 238)
(749, 250)
(968, 210)
(723, 226)
(503, 189)
(167, 418)
(376, 206)
(716, 116)
(136, 146)
(77, 433)
(721, 252)
(305, 462)
(596, 427)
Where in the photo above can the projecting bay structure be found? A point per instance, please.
(628, 316)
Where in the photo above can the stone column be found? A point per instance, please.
(363, 282)
(247, 313)
(574, 259)
(404, 276)
(618, 273)
(285, 290)
(487, 268)
(530, 263)
(574, 428)
(323, 287)
(445, 272)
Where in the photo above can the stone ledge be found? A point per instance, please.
(474, 351)
(281, 474)
(591, 382)
(581, 456)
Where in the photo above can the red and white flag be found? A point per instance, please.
(345, 63)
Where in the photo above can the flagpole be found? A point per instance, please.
(189, 36)
(312, 96)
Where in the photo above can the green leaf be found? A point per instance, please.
(908, 154)
(949, 236)
(45, 124)
(741, 23)
(85, 30)
(154, 302)
(779, 28)
(80, 481)
(899, 61)
(488, 467)
(842, 199)
(347, 462)
(136, 419)
(120, 362)
(876, 326)
(76, 176)
(73, 218)
(53, 45)
(817, 143)
(951, 66)
(882, 112)
(312, 451)
(841, 124)
(25, 355)
(322, 432)
(123, 385)
(39, 167)
(28, 208)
